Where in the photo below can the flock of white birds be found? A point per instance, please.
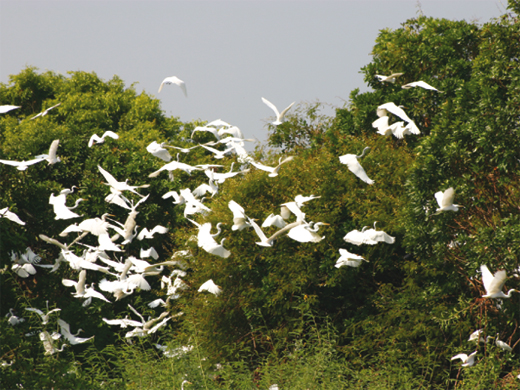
(123, 278)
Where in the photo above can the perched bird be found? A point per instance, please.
(494, 284)
(45, 112)
(176, 81)
(279, 115)
(445, 201)
(420, 84)
(13, 319)
(500, 344)
(388, 79)
(211, 287)
(352, 163)
(96, 139)
(467, 361)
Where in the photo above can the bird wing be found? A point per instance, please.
(282, 114)
(263, 167)
(447, 198)
(397, 111)
(237, 210)
(53, 149)
(273, 107)
(108, 177)
(497, 282)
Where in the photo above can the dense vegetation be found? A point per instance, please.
(286, 314)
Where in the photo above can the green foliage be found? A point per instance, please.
(286, 314)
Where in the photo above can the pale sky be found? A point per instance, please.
(229, 53)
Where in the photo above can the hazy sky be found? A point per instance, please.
(229, 53)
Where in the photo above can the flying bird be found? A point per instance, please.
(467, 361)
(352, 163)
(96, 139)
(176, 81)
(494, 284)
(348, 259)
(273, 171)
(22, 165)
(420, 84)
(5, 213)
(211, 287)
(279, 115)
(388, 79)
(445, 201)
(45, 112)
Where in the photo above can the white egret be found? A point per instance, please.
(45, 317)
(159, 151)
(477, 336)
(351, 160)
(151, 252)
(500, 344)
(279, 115)
(384, 109)
(65, 331)
(445, 201)
(222, 177)
(22, 165)
(96, 139)
(174, 80)
(60, 208)
(218, 154)
(51, 158)
(13, 319)
(207, 128)
(420, 84)
(382, 126)
(274, 220)
(123, 322)
(157, 302)
(306, 232)
(348, 259)
(79, 285)
(120, 185)
(233, 131)
(172, 166)
(300, 199)
(389, 79)
(467, 361)
(239, 216)
(204, 188)
(368, 237)
(6, 108)
(494, 284)
(273, 171)
(45, 112)
(5, 213)
(48, 342)
(211, 287)
(148, 234)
